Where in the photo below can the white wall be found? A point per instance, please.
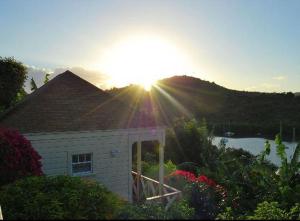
(56, 150)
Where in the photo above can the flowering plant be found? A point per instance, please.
(17, 157)
(203, 193)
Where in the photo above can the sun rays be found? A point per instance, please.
(141, 59)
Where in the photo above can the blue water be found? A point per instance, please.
(256, 145)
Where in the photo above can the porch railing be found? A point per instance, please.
(149, 191)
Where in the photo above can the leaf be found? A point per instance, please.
(46, 78)
(33, 85)
(267, 147)
(278, 139)
(281, 151)
(295, 159)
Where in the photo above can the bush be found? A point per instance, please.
(201, 193)
(60, 197)
(190, 141)
(189, 166)
(206, 200)
(264, 211)
(152, 170)
(271, 211)
(17, 157)
(178, 210)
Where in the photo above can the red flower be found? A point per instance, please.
(18, 158)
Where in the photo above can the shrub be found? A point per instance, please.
(201, 193)
(266, 210)
(153, 211)
(190, 141)
(227, 214)
(17, 157)
(206, 200)
(189, 166)
(60, 197)
(152, 170)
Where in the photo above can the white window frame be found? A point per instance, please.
(81, 173)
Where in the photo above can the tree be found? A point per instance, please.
(12, 77)
(190, 141)
(33, 85)
(46, 78)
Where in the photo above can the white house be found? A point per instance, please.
(80, 130)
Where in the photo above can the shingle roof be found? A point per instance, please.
(69, 103)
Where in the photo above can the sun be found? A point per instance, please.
(142, 60)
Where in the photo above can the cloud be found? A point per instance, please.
(279, 78)
(38, 74)
(266, 87)
(251, 88)
(270, 86)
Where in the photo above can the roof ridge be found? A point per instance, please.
(45, 86)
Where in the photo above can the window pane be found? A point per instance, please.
(82, 167)
(74, 158)
(88, 157)
(81, 157)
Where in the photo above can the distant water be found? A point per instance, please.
(256, 145)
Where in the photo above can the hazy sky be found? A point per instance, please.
(244, 45)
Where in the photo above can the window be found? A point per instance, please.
(82, 163)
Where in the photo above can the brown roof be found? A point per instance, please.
(69, 103)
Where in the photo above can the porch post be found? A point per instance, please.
(161, 168)
(139, 167)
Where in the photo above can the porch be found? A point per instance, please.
(145, 189)
(148, 190)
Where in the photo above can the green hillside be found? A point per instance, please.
(245, 113)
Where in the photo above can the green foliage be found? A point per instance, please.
(33, 85)
(289, 180)
(295, 212)
(156, 211)
(152, 170)
(60, 197)
(227, 214)
(12, 77)
(264, 211)
(253, 180)
(247, 180)
(189, 166)
(269, 211)
(190, 141)
(46, 78)
(249, 113)
(266, 152)
(204, 199)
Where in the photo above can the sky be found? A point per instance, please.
(251, 45)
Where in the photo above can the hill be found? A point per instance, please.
(245, 113)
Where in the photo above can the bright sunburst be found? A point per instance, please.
(141, 60)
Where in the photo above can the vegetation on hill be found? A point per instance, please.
(245, 113)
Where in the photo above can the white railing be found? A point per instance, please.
(149, 191)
